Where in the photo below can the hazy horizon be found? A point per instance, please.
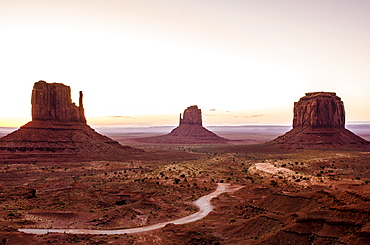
(143, 62)
(110, 126)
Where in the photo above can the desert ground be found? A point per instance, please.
(306, 196)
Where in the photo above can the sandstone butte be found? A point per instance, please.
(189, 131)
(319, 121)
(58, 130)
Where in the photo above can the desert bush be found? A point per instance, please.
(273, 183)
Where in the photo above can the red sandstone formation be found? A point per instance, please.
(319, 121)
(320, 109)
(192, 115)
(58, 130)
(52, 102)
(190, 131)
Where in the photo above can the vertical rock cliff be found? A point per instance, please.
(319, 109)
(52, 102)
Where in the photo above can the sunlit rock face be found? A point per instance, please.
(192, 115)
(52, 102)
(319, 109)
(319, 122)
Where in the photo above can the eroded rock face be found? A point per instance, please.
(192, 115)
(52, 102)
(319, 109)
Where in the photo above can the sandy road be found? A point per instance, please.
(203, 203)
(269, 168)
(342, 183)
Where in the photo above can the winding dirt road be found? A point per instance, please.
(203, 203)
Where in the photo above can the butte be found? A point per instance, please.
(58, 131)
(189, 131)
(319, 121)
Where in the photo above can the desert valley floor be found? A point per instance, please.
(288, 196)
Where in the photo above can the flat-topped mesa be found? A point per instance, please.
(52, 102)
(192, 115)
(319, 123)
(319, 109)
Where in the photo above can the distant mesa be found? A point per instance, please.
(189, 131)
(319, 120)
(58, 129)
(192, 115)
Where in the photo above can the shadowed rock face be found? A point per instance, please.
(192, 115)
(320, 109)
(52, 101)
(319, 121)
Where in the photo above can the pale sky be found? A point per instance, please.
(142, 62)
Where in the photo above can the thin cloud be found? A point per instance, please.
(249, 116)
(121, 116)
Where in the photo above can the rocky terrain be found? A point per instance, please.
(189, 131)
(323, 199)
(298, 189)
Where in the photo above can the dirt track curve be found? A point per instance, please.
(203, 203)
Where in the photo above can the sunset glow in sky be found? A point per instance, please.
(142, 62)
